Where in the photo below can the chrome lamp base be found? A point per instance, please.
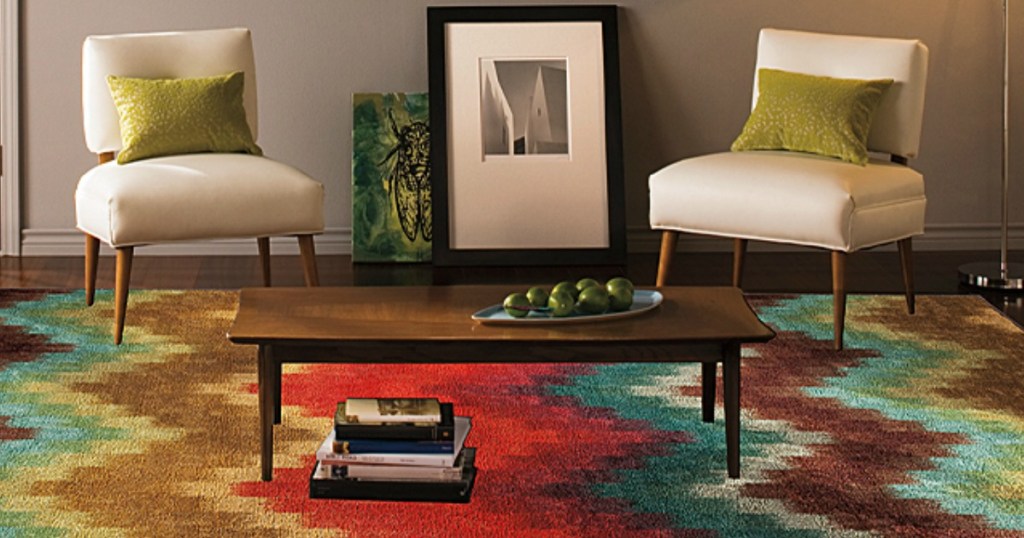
(990, 275)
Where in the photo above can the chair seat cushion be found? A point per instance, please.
(789, 197)
(195, 197)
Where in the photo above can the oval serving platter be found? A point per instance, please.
(643, 301)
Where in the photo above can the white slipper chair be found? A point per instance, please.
(807, 199)
(199, 190)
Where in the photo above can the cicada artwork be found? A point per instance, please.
(391, 209)
(407, 167)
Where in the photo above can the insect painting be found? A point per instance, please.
(408, 177)
(391, 208)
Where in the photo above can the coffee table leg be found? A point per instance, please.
(276, 380)
(731, 386)
(266, 396)
(708, 372)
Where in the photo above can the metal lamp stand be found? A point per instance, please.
(1003, 275)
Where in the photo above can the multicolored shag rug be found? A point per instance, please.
(917, 429)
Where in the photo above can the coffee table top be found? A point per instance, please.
(442, 313)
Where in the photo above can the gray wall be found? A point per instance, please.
(686, 81)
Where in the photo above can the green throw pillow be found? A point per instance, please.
(186, 115)
(823, 115)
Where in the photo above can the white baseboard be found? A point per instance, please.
(64, 242)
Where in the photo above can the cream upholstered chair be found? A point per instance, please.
(183, 197)
(806, 199)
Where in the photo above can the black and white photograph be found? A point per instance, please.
(524, 106)
(526, 127)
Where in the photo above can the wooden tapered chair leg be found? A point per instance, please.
(739, 251)
(669, 238)
(263, 244)
(907, 262)
(92, 254)
(838, 296)
(308, 252)
(122, 278)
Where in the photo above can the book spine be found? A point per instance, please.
(409, 432)
(364, 446)
(390, 472)
(424, 460)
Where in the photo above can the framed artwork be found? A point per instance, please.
(391, 201)
(527, 142)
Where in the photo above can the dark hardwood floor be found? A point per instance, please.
(766, 272)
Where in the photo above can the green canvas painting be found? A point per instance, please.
(391, 212)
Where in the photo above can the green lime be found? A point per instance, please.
(585, 283)
(620, 298)
(516, 305)
(593, 300)
(561, 303)
(538, 296)
(618, 282)
(566, 286)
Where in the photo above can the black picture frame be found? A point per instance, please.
(613, 251)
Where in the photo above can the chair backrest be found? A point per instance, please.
(896, 127)
(158, 55)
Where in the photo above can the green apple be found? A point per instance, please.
(620, 298)
(585, 283)
(538, 296)
(561, 303)
(566, 286)
(618, 282)
(593, 300)
(516, 305)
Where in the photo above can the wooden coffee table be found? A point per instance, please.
(431, 324)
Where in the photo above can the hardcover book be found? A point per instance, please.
(456, 491)
(414, 473)
(366, 410)
(326, 453)
(426, 431)
(392, 446)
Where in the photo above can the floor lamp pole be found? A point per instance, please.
(1005, 275)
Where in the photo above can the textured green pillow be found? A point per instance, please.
(823, 115)
(185, 115)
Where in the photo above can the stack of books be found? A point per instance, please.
(410, 449)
